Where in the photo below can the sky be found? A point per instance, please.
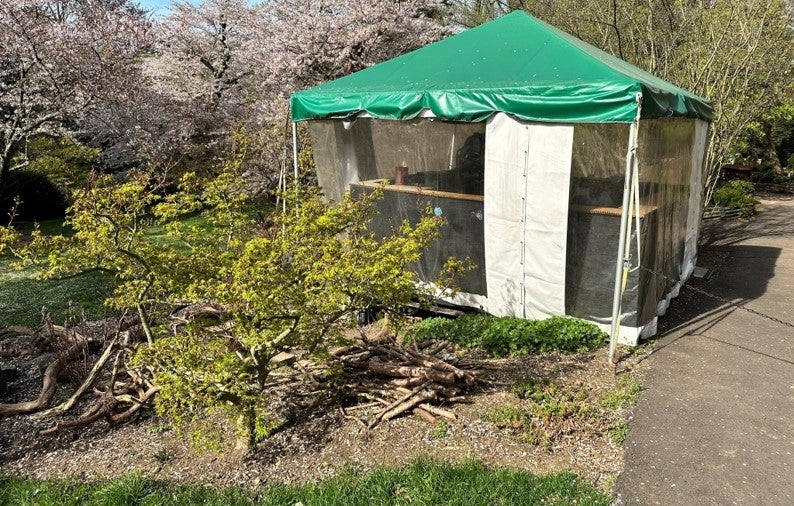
(158, 7)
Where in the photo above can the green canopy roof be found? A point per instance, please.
(515, 64)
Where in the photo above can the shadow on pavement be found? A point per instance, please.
(739, 273)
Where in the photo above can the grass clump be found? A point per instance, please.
(425, 481)
(547, 410)
(625, 395)
(510, 335)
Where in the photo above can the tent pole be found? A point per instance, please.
(622, 262)
(295, 151)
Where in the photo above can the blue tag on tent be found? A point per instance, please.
(437, 211)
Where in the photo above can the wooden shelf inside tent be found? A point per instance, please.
(612, 211)
(417, 190)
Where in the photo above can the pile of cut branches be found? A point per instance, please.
(402, 380)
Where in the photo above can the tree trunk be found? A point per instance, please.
(5, 167)
(770, 152)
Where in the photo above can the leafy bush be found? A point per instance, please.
(510, 335)
(736, 194)
(295, 283)
(768, 173)
(64, 162)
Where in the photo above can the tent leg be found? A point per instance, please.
(295, 151)
(622, 262)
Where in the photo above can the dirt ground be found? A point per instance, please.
(321, 440)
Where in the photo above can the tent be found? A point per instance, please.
(570, 177)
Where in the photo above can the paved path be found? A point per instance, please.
(715, 423)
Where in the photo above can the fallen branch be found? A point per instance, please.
(104, 408)
(408, 405)
(449, 415)
(435, 363)
(18, 330)
(424, 415)
(49, 385)
(89, 381)
(396, 403)
(351, 417)
(407, 382)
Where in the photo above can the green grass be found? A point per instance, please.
(424, 482)
(158, 234)
(625, 394)
(22, 297)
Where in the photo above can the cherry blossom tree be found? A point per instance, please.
(310, 41)
(237, 57)
(58, 59)
(233, 63)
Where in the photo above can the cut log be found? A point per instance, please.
(398, 402)
(424, 415)
(396, 371)
(357, 357)
(407, 382)
(394, 353)
(449, 415)
(467, 377)
(408, 405)
(343, 351)
(446, 391)
(434, 349)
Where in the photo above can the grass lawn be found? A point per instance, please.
(424, 482)
(22, 297)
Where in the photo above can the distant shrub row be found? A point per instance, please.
(510, 335)
(736, 194)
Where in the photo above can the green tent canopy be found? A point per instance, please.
(516, 64)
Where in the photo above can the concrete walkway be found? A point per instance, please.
(715, 423)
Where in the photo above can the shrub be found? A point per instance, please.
(736, 194)
(510, 335)
(294, 284)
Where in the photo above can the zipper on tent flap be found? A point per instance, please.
(525, 184)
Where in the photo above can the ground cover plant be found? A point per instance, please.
(422, 482)
(547, 410)
(510, 335)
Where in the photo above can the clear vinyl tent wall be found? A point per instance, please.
(449, 168)
(423, 165)
(663, 226)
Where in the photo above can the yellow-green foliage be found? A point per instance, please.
(294, 283)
